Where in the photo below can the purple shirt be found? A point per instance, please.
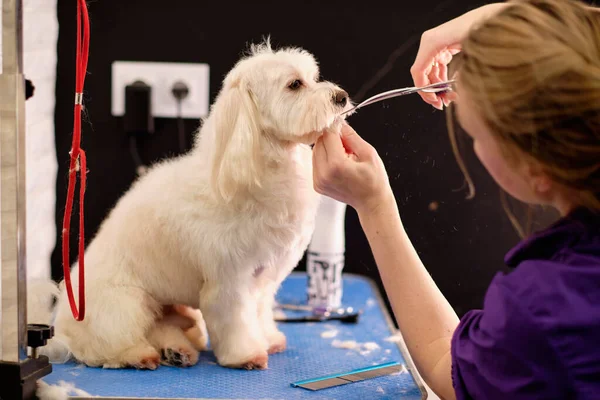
(538, 335)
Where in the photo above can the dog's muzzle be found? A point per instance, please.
(340, 98)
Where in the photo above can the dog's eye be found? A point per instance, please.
(295, 84)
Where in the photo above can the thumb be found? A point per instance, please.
(352, 142)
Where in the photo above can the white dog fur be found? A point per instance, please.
(217, 229)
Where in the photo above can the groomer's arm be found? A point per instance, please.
(425, 317)
(348, 169)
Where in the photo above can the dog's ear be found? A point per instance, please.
(237, 161)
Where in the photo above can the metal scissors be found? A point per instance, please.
(433, 88)
(318, 314)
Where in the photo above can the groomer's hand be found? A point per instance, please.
(348, 169)
(439, 45)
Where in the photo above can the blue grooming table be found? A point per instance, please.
(309, 355)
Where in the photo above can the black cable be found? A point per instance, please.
(180, 91)
(181, 128)
(140, 167)
(29, 89)
(137, 120)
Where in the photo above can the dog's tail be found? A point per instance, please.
(41, 296)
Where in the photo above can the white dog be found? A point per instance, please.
(217, 229)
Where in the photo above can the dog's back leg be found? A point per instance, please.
(114, 331)
(174, 346)
(141, 356)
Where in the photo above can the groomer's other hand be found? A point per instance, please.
(348, 169)
(438, 46)
(431, 64)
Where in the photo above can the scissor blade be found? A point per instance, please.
(433, 88)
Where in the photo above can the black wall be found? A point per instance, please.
(462, 243)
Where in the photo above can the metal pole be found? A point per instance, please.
(19, 373)
(13, 305)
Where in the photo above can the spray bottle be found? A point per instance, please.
(325, 257)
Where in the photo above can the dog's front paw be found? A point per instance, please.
(179, 357)
(245, 347)
(259, 361)
(277, 342)
(242, 355)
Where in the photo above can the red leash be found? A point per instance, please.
(78, 164)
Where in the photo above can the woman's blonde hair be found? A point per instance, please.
(532, 73)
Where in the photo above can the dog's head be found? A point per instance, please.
(284, 94)
(274, 95)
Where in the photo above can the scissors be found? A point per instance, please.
(318, 314)
(433, 88)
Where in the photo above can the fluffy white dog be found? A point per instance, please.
(217, 229)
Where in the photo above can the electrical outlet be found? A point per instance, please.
(161, 76)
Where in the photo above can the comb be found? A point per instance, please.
(350, 377)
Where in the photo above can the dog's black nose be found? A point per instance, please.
(340, 98)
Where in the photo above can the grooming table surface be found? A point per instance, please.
(312, 352)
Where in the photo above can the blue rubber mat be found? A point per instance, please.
(313, 351)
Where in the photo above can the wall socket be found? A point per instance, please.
(161, 76)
